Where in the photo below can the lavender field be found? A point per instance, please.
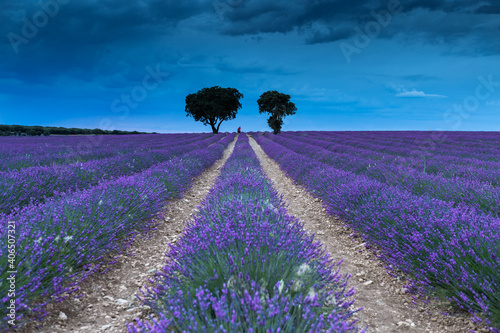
(427, 208)
(244, 265)
(69, 216)
(431, 208)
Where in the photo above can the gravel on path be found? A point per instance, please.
(386, 305)
(109, 300)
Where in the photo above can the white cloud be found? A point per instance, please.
(416, 93)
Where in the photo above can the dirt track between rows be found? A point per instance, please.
(386, 306)
(109, 300)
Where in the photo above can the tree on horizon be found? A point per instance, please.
(278, 105)
(213, 105)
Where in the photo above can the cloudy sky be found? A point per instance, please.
(348, 65)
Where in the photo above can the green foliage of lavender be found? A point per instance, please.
(244, 265)
(62, 241)
(18, 153)
(474, 186)
(32, 185)
(450, 248)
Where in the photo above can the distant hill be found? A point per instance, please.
(21, 130)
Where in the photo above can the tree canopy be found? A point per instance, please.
(213, 105)
(278, 105)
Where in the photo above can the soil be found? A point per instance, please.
(109, 300)
(387, 307)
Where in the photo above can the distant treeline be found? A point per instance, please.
(20, 130)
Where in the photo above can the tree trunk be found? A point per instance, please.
(218, 126)
(214, 129)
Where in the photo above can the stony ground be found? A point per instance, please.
(386, 305)
(109, 300)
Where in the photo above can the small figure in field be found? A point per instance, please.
(239, 129)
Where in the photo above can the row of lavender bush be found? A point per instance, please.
(60, 240)
(20, 187)
(415, 152)
(463, 144)
(420, 155)
(244, 265)
(457, 190)
(23, 152)
(451, 250)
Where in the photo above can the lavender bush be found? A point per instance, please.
(452, 157)
(34, 184)
(23, 152)
(244, 265)
(451, 249)
(63, 240)
(478, 194)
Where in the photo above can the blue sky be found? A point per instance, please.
(363, 65)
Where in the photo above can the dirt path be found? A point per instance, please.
(386, 307)
(109, 302)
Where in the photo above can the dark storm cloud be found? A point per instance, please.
(84, 39)
(101, 21)
(107, 21)
(253, 17)
(330, 35)
(94, 38)
(256, 16)
(324, 21)
(489, 9)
